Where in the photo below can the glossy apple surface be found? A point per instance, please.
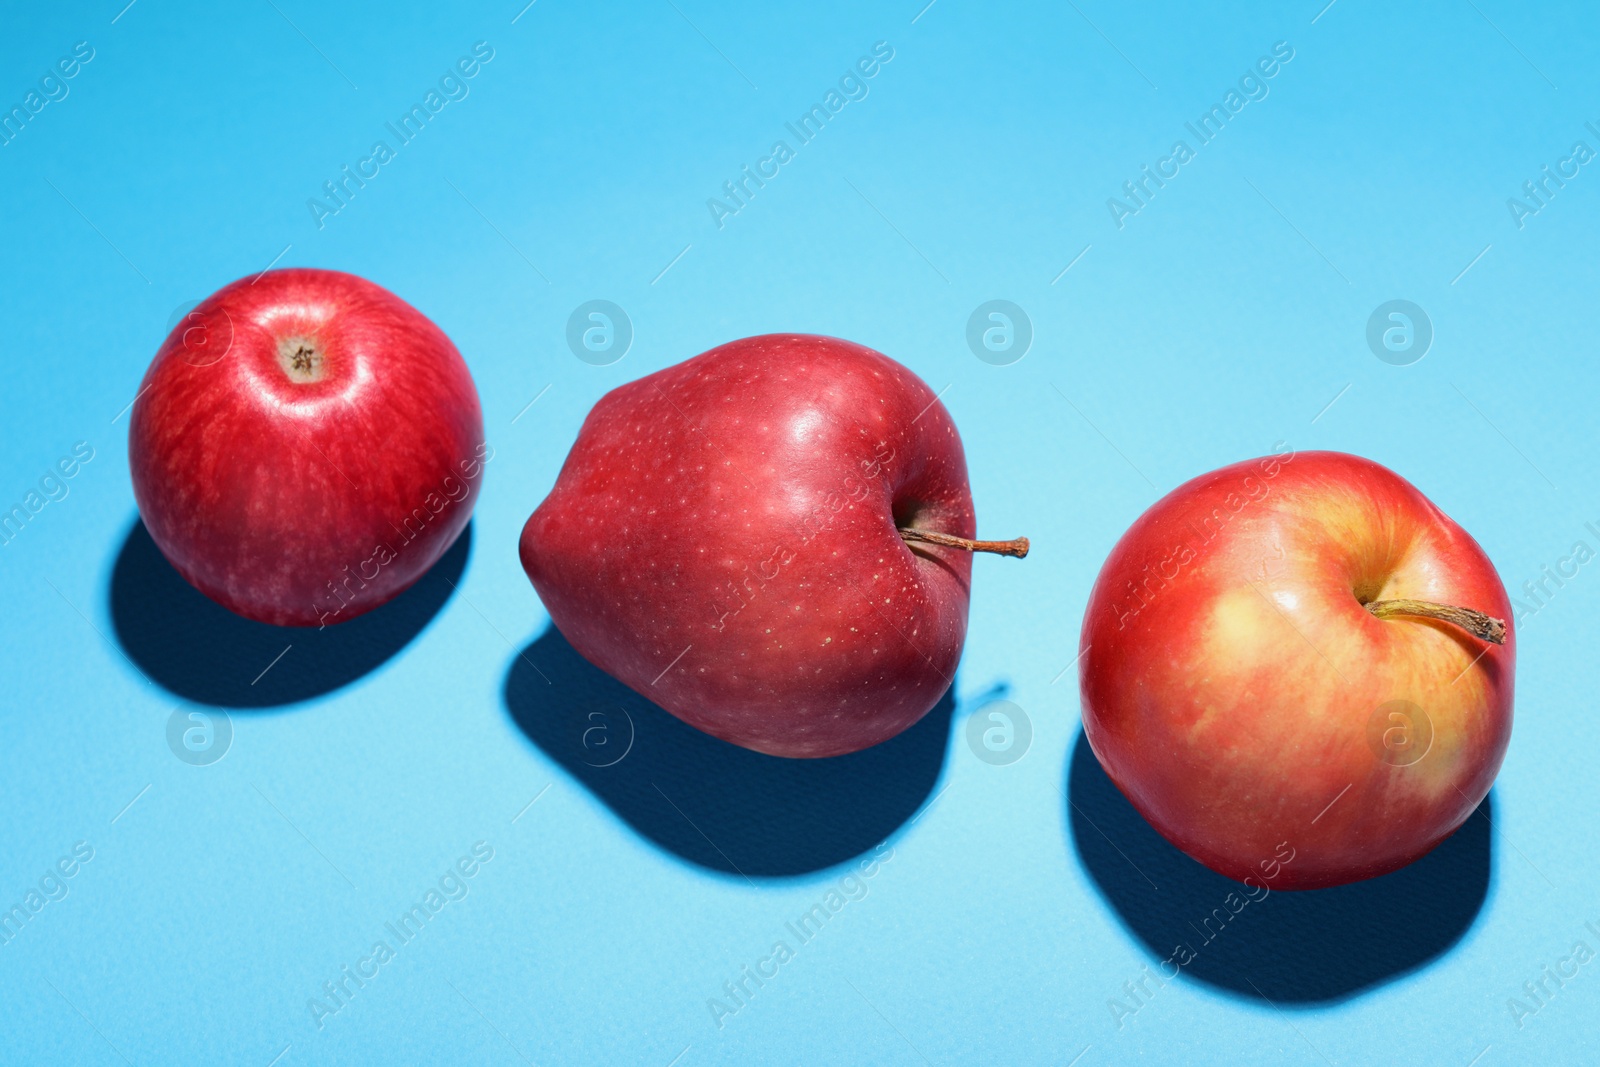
(1239, 692)
(304, 446)
(723, 539)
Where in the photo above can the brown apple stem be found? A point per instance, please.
(1016, 547)
(1476, 623)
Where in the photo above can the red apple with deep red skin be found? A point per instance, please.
(305, 445)
(725, 538)
(1242, 652)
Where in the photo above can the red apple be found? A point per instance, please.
(731, 537)
(304, 446)
(1299, 656)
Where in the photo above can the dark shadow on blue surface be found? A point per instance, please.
(715, 804)
(203, 652)
(1308, 947)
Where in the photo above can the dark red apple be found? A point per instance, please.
(304, 446)
(1299, 656)
(770, 540)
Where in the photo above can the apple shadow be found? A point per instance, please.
(704, 800)
(1308, 947)
(203, 652)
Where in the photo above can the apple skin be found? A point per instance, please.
(305, 502)
(1231, 677)
(722, 539)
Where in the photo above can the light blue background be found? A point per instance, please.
(1222, 319)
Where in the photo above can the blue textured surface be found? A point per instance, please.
(1225, 315)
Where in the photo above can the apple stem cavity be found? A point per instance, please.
(301, 360)
(1017, 547)
(1476, 623)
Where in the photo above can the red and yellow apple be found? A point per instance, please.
(1299, 652)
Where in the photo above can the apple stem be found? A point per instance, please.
(1017, 547)
(1476, 623)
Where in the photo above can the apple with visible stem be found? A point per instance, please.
(1299, 656)
(772, 541)
(304, 446)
